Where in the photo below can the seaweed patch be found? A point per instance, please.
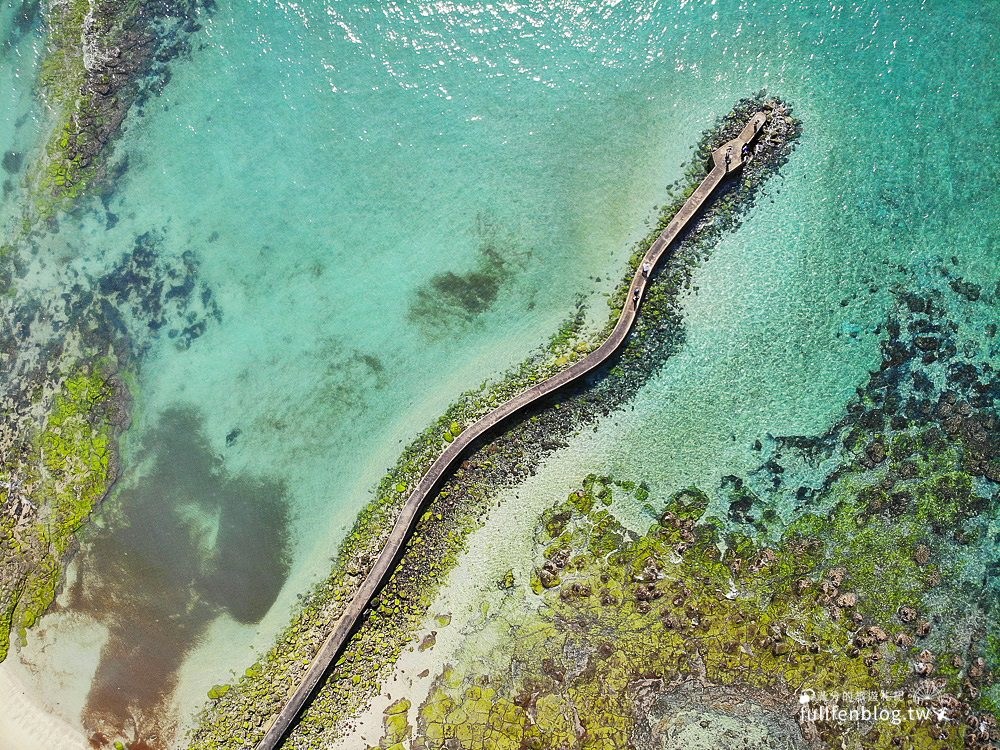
(453, 299)
(146, 290)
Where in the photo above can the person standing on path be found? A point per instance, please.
(646, 268)
(635, 298)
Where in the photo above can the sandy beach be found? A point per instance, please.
(28, 724)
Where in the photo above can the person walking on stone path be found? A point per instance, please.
(729, 156)
(635, 298)
(645, 270)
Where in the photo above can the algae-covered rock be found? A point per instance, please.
(695, 602)
(48, 489)
(218, 691)
(506, 581)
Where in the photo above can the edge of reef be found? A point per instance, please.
(65, 401)
(101, 59)
(238, 712)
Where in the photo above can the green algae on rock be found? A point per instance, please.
(48, 488)
(83, 343)
(877, 587)
(101, 57)
(626, 620)
(63, 401)
(61, 412)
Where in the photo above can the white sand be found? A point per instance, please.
(506, 541)
(27, 724)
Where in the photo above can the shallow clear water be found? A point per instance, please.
(20, 115)
(329, 165)
(890, 174)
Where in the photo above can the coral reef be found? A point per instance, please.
(101, 58)
(877, 593)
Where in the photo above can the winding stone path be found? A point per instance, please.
(727, 159)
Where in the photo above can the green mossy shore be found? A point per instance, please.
(237, 718)
(625, 620)
(50, 482)
(101, 56)
(82, 79)
(738, 629)
(60, 415)
(62, 173)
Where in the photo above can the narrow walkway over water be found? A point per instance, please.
(726, 159)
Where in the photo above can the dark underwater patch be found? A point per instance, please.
(151, 292)
(12, 161)
(192, 542)
(471, 293)
(349, 379)
(450, 300)
(27, 15)
(373, 363)
(24, 21)
(115, 173)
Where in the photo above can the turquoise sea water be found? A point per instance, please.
(20, 116)
(392, 203)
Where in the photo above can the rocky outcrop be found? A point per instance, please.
(102, 59)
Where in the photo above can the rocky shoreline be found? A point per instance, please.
(882, 584)
(67, 363)
(66, 357)
(55, 470)
(102, 59)
(239, 711)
